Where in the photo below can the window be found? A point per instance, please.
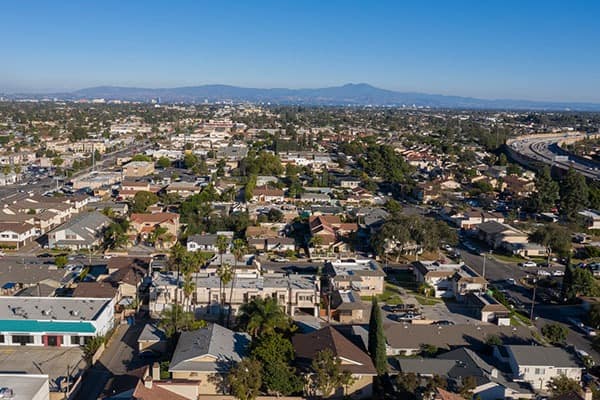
(540, 371)
(1, 338)
(22, 339)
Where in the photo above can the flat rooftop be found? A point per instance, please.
(349, 267)
(23, 386)
(52, 362)
(51, 308)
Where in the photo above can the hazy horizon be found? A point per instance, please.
(538, 50)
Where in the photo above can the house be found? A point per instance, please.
(294, 292)
(183, 189)
(53, 321)
(330, 230)
(348, 308)
(127, 274)
(491, 383)
(448, 280)
(537, 365)
(84, 231)
(152, 338)
(309, 197)
(365, 276)
(349, 183)
(276, 244)
(208, 242)
(145, 225)
(206, 354)
(498, 235)
(488, 309)
(591, 218)
(266, 194)
(138, 169)
(15, 235)
(407, 339)
(353, 360)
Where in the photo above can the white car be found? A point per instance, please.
(511, 281)
(558, 272)
(528, 264)
(541, 272)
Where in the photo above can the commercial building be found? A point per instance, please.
(53, 321)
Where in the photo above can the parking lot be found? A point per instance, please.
(53, 362)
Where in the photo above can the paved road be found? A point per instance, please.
(117, 359)
(544, 148)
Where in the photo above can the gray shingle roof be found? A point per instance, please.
(539, 355)
(225, 345)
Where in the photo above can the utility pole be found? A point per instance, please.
(533, 299)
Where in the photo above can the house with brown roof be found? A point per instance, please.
(16, 234)
(353, 360)
(267, 194)
(449, 280)
(330, 230)
(146, 225)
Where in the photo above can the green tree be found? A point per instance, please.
(142, 200)
(163, 162)
(377, 339)
(244, 379)
(555, 333)
(263, 317)
(547, 192)
(594, 316)
(61, 261)
(562, 384)
(468, 383)
(190, 160)
(276, 353)
(141, 157)
(115, 235)
(573, 194)
(429, 350)
(408, 383)
(554, 237)
(579, 282)
(175, 320)
(328, 374)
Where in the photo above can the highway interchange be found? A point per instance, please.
(546, 149)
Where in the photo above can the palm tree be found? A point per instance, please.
(188, 289)
(239, 249)
(222, 244)
(264, 316)
(225, 275)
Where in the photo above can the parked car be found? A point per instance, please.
(511, 281)
(558, 272)
(443, 323)
(542, 272)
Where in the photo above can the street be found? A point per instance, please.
(117, 359)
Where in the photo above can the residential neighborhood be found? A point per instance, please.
(179, 251)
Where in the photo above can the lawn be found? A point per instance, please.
(390, 295)
(427, 301)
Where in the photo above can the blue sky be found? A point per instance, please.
(544, 50)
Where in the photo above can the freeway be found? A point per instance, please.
(546, 149)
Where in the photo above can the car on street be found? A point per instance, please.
(528, 264)
(542, 272)
(511, 281)
(558, 272)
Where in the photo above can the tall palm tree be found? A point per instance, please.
(188, 289)
(264, 316)
(225, 275)
(222, 244)
(239, 249)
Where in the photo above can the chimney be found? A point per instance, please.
(156, 371)
(588, 394)
(147, 381)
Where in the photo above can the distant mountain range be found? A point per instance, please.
(347, 95)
